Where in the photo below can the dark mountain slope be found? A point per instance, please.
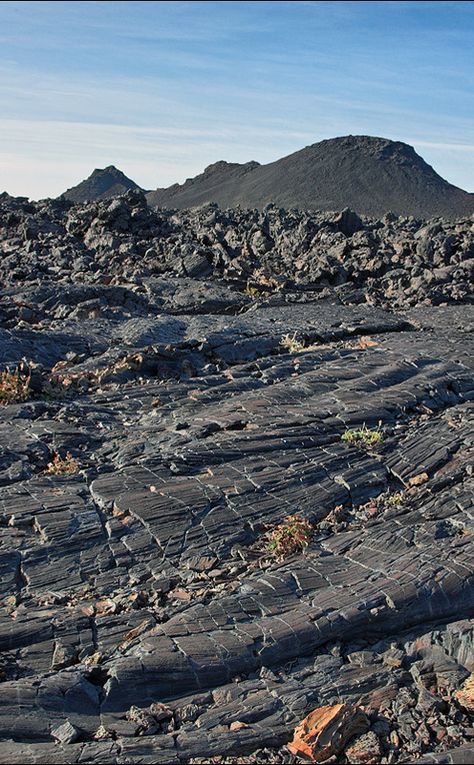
(102, 184)
(217, 183)
(370, 175)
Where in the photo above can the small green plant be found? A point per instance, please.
(291, 536)
(291, 344)
(364, 437)
(14, 387)
(253, 292)
(62, 465)
(393, 500)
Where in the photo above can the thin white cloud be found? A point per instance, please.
(43, 158)
(462, 147)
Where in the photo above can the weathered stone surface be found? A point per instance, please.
(461, 756)
(365, 749)
(326, 730)
(140, 603)
(465, 695)
(66, 733)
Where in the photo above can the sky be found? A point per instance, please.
(163, 89)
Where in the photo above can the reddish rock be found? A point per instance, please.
(237, 725)
(465, 696)
(326, 731)
(418, 480)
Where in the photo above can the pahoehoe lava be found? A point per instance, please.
(199, 369)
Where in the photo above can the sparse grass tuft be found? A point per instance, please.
(291, 344)
(253, 292)
(364, 437)
(62, 466)
(14, 388)
(393, 500)
(381, 504)
(291, 536)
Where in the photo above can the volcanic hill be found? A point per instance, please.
(101, 184)
(370, 175)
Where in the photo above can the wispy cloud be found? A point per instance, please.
(462, 147)
(47, 157)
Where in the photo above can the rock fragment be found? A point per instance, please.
(465, 695)
(66, 733)
(325, 732)
(364, 750)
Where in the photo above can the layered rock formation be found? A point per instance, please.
(191, 380)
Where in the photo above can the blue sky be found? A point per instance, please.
(162, 89)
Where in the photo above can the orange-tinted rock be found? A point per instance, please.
(418, 480)
(326, 731)
(465, 696)
(237, 725)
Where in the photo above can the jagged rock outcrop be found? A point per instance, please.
(390, 262)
